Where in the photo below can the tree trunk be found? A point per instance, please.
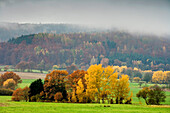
(103, 100)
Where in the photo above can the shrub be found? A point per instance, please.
(20, 94)
(17, 95)
(33, 99)
(6, 92)
(36, 98)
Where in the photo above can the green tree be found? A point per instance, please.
(143, 94)
(147, 76)
(156, 95)
(152, 95)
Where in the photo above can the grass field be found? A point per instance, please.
(7, 106)
(40, 107)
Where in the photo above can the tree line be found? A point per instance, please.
(94, 85)
(97, 84)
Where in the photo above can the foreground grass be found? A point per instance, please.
(40, 107)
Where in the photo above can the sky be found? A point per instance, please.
(144, 16)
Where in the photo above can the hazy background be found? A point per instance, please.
(145, 16)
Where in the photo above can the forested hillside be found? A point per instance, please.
(44, 50)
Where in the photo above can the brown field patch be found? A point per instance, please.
(161, 106)
(3, 105)
(25, 75)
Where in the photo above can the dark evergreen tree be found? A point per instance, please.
(35, 88)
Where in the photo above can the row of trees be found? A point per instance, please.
(93, 85)
(137, 75)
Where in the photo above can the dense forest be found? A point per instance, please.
(43, 50)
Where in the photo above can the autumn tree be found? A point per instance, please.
(108, 83)
(112, 83)
(10, 75)
(73, 97)
(80, 91)
(72, 81)
(17, 95)
(158, 77)
(20, 94)
(166, 77)
(54, 82)
(93, 81)
(122, 89)
(26, 93)
(9, 83)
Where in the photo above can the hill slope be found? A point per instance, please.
(83, 49)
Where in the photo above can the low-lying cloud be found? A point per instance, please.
(148, 16)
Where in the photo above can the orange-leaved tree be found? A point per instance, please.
(72, 81)
(20, 94)
(54, 82)
(10, 75)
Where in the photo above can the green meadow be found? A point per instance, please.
(8, 106)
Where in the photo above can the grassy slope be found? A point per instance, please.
(17, 107)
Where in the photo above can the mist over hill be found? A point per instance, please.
(13, 30)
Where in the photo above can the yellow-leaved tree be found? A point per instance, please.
(94, 81)
(166, 77)
(107, 83)
(74, 98)
(122, 89)
(158, 77)
(80, 91)
(9, 83)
